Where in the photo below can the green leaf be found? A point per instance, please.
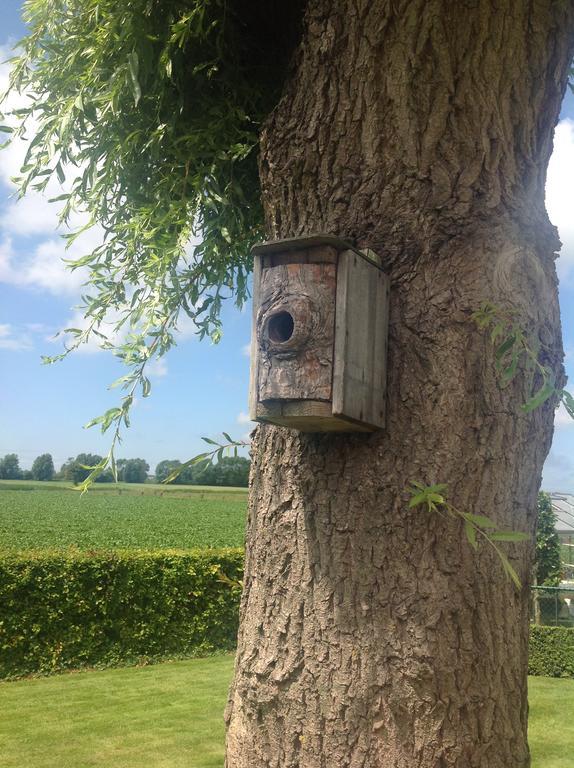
(470, 532)
(417, 499)
(540, 397)
(568, 402)
(133, 66)
(509, 536)
(497, 331)
(122, 380)
(480, 520)
(505, 347)
(508, 373)
(509, 570)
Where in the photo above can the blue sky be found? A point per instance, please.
(199, 389)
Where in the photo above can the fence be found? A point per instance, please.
(567, 555)
(552, 606)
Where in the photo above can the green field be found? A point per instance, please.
(51, 515)
(132, 489)
(171, 716)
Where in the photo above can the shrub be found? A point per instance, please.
(551, 651)
(61, 611)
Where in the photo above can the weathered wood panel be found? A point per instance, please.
(253, 395)
(307, 416)
(359, 374)
(295, 327)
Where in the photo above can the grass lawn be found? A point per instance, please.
(551, 722)
(170, 716)
(163, 716)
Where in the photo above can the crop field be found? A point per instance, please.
(50, 515)
(122, 489)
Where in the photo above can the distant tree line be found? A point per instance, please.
(42, 468)
(129, 470)
(230, 471)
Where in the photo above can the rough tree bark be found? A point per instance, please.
(371, 635)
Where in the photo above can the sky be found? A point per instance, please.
(199, 389)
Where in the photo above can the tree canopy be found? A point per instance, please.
(78, 469)
(10, 467)
(148, 113)
(43, 467)
(132, 470)
(548, 566)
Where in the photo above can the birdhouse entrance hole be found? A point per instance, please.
(280, 327)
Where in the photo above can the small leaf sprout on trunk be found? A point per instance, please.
(476, 527)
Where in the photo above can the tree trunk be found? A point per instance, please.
(371, 634)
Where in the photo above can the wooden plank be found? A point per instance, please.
(322, 254)
(253, 371)
(298, 243)
(288, 257)
(359, 369)
(319, 244)
(306, 416)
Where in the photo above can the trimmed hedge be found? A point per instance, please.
(60, 611)
(68, 610)
(551, 651)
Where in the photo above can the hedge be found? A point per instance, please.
(551, 651)
(61, 611)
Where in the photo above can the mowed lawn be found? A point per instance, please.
(46, 515)
(171, 716)
(163, 716)
(551, 722)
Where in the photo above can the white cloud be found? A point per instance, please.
(562, 419)
(12, 157)
(14, 340)
(32, 215)
(44, 269)
(246, 350)
(560, 193)
(40, 266)
(186, 328)
(157, 367)
(243, 418)
(39, 328)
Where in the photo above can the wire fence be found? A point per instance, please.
(552, 606)
(567, 556)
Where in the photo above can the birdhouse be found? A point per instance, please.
(319, 341)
